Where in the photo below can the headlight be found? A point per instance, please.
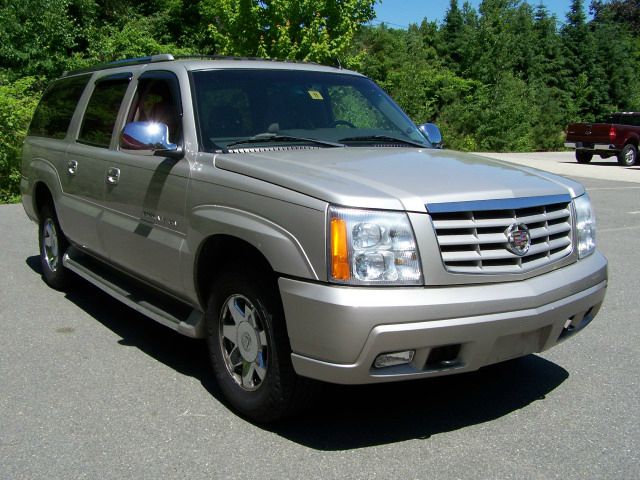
(369, 247)
(585, 226)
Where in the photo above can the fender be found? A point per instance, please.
(279, 246)
(43, 171)
(631, 137)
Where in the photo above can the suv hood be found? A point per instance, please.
(395, 178)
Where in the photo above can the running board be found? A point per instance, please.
(161, 308)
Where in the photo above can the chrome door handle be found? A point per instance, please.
(113, 175)
(72, 167)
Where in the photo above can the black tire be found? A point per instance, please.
(53, 245)
(252, 362)
(583, 156)
(628, 156)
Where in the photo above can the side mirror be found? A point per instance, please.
(148, 138)
(432, 133)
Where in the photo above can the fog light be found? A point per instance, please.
(394, 358)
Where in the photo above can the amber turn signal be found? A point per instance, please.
(339, 250)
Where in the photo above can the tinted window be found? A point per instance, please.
(622, 119)
(157, 99)
(630, 120)
(102, 110)
(53, 115)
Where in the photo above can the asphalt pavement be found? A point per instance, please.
(91, 389)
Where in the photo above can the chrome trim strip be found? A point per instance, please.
(502, 204)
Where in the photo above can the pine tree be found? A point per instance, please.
(586, 79)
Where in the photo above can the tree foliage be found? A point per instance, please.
(313, 30)
(17, 102)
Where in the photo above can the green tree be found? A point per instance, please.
(17, 103)
(452, 45)
(36, 36)
(379, 51)
(622, 12)
(618, 54)
(314, 30)
(505, 35)
(587, 85)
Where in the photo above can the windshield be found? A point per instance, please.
(247, 108)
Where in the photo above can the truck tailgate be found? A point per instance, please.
(588, 132)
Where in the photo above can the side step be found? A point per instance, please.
(161, 308)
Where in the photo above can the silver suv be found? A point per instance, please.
(294, 217)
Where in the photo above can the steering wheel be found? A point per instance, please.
(346, 123)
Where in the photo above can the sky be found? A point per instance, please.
(400, 13)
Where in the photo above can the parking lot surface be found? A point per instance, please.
(91, 389)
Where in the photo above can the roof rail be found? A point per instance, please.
(229, 57)
(163, 57)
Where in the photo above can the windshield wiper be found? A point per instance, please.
(382, 138)
(274, 137)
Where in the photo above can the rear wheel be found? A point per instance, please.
(53, 245)
(628, 155)
(249, 346)
(583, 156)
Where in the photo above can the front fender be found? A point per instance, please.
(279, 246)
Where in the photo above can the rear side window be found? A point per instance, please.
(622, 119)
(53, 115)
(102, 111)
(631, 120)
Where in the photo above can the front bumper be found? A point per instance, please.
(336, 332)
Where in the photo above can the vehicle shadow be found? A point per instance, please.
(363, 416)
(185, 355)
(345, 417)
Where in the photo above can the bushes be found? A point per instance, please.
(18, 100)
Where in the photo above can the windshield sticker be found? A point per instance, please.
(316, 95)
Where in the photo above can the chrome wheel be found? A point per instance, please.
(50, 244)
(630, 157)
(243, 341)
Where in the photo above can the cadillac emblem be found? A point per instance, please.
(518, 239)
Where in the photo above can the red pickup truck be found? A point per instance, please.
(617, 135)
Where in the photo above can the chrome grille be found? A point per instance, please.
(472, 235)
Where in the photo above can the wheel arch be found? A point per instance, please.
(633, 140)
(218, 253)
(224, 235)
(42, 196)
(46, 184)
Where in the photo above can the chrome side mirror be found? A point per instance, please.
(148, 138)
(432, 133)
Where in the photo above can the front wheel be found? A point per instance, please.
(53, 245)
(249, 346)
(583, 156)
(628, 155)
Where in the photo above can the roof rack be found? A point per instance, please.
(163, 57)
(229, 57)
(167, 57)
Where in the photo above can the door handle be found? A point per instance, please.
(113, 175)
(72, 167)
